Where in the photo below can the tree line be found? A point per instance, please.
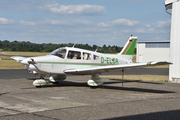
(27, 46)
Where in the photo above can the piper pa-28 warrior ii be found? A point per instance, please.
(70, 60)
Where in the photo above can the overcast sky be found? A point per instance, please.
(98, 22)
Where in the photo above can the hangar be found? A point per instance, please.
(152, 51)
(173, 8)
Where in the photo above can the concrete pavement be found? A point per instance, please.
(73, 99)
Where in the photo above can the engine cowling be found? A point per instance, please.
(57, 78)
(32, 69)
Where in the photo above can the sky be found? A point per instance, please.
(93, 22)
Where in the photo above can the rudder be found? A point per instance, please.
(129, 47)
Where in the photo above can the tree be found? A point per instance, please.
(48, 47)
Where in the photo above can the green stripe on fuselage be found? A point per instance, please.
(74, 63)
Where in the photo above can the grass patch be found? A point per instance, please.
(25, 53)
(7, 63)
(11, 64)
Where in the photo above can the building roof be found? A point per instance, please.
(153, 41)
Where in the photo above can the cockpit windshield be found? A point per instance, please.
(59, 52)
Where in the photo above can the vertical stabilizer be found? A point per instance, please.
(129, 47)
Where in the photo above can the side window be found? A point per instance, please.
(96, 57)
(74, 55)
(86, 56)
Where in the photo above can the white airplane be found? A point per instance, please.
(70, 60)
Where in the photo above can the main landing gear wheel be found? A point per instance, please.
(95, 81)
(40, 82)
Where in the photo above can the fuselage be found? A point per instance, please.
(71, 58)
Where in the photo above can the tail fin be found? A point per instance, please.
(129, 47)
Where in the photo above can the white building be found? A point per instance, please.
(152, 51)
(173, 6)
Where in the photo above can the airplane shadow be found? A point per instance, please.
(4, 93)
(70, 84)
(133, 89)
(139, 81)
(31, 79)
(164, 115)
(115, 81)
(106, 85)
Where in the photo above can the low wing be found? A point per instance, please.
(18, 58)
(101, 69)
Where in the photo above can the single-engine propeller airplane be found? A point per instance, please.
(70, 60)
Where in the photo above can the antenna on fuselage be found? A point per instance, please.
(96, 49)
(73, 45)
